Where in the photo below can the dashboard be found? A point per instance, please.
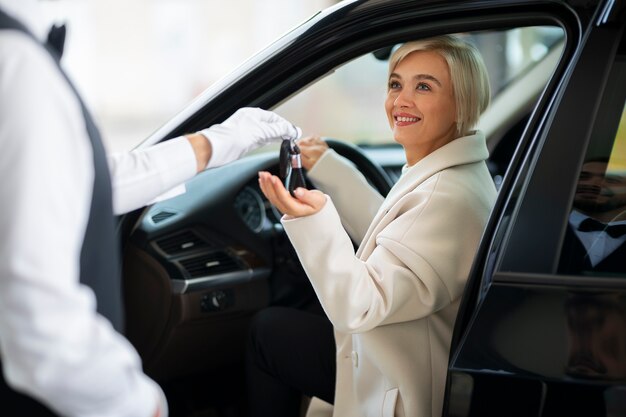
(201, 264)
(215, 232)
(198, 266)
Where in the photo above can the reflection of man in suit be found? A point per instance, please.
(596, 237)
(597, 336)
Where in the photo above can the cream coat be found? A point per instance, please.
(394, 302)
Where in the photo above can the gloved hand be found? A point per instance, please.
(247, 129)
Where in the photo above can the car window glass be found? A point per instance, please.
(595, 239)
(348, 104)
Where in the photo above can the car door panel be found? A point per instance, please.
(533, 343)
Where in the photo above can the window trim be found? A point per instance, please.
(570, 281)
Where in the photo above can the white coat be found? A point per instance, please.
(393, 304)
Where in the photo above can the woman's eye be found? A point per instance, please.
(394, 85)
(423, 87)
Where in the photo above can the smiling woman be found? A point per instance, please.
(435, 94)
(403, 285)
(420, 103)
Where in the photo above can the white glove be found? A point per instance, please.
(248, 128)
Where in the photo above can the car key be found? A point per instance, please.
(296, 179)
(291, 166)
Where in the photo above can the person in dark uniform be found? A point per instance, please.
(61, 349)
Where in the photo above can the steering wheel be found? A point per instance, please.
(374, 173)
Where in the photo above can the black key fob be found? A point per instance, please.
(290, 166)
(284, 159)
(296, 177)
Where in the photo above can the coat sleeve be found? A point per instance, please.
(418, 266)
(355, 199)
(158, 172)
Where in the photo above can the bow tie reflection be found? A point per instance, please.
(591, 225)
(56, 39)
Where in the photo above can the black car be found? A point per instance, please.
(542, 326)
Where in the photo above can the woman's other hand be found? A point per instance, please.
(311, 149)
(307, 202)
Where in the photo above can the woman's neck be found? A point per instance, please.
(416, 153)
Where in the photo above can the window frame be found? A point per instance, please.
(548, 192)
(611, 111)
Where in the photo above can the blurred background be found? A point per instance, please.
(138, 63)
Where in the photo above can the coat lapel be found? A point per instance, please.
(464, 150)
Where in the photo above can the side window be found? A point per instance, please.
(337, 105)
(348, 103)
(595, 239)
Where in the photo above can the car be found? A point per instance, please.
(539, 332)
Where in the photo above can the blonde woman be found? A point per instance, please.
(393, 303)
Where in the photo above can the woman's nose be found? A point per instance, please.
(402, 100)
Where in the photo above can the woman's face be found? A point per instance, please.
(420, 104)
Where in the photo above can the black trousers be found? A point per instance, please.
(290, 353)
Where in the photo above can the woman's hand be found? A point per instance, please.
(307, 202)
(311, 149)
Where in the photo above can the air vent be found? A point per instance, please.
(210, 264)
(182, 242)
(162, 215)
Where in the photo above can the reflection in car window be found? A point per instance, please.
(595, 239)
(346, 103)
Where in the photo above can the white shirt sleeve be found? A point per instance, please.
(54, 345)
(141, 176)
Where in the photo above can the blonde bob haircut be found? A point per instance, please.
(470, 81)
